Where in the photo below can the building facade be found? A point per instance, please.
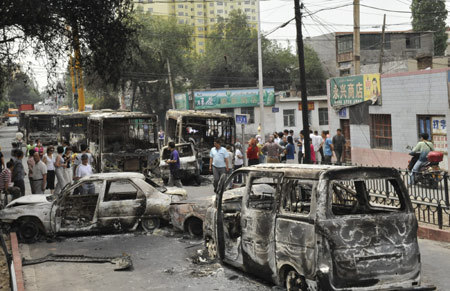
(201, 14)
(403, 51)
(410, 103)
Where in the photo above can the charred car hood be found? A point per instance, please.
(30, 199)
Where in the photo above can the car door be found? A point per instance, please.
(121, 205)
(258, 214)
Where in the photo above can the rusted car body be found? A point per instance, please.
(124, 141)
(317, 228)
(189, 165)
(73, 128)
(201, 128)
(188, 216)
(116, 202)
(43, 126)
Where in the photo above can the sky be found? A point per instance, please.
(276, 12)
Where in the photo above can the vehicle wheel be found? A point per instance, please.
(198, 180)
(211, 247)
(165, 181)
(195, 226)
(295, 282)
(150, 224)
(29, 230)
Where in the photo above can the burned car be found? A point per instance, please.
(201, 128)
(43, 126)
(122, 141)
(188, 216)
(108, 202)
(311, 227)
(189, 165)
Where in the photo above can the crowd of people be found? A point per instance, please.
(46, 169)
(281, 147)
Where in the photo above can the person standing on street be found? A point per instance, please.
(290, 151)
(317, 143)
(30, 164)
(161, 137)
(39, 175)
(39, 148)
(272, 150)
(252, 152)
(300, 147)
(322, 145)
(238, 161)
(174, 166)
(2, 161)
(424, 146)
(218, 162)
(18, 173)
(327, 149)
(49, 161)
(6, 181)
(338, 145)
(60, 167)
(85, 169)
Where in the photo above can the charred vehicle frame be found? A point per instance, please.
(124, 141)
(73, 128)
(43, 126)
(317, 228)
(200, 128)
(108, 202)
(189, 165)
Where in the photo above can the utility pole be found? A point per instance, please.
(356, 38)
(260, 78)
(301, 61)
(172, 98)
(380, 70)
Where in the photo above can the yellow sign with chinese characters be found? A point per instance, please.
(351, 90)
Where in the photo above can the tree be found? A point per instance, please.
(51, 28)
(21, 90)
(231, 58)
(431, 16)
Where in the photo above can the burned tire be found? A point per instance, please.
(198, 180)
(295, 282)
(211, 248)
(150, 224)
(29, 230)
(194, 226)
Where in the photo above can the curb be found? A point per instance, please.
(433, 234)
(17, 261)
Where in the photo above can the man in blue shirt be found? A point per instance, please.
(174, 165)
(327, 148)
(218, 162)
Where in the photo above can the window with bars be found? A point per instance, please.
(251, 112)
(323, 116)
(381, 131)
(289, 117)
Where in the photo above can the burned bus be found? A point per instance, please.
(124, 141)
(41, 125)
(73, 128)
(201, 128)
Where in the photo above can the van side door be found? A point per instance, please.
(258, 223)
(294, 231)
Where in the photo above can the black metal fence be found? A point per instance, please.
(430, 197)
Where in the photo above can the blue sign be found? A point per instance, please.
(275, 109)
(343, 112)
(241, 119)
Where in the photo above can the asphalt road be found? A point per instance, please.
(164, 260)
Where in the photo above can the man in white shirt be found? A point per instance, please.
(39, 178)
(85, 170)
(317, 141)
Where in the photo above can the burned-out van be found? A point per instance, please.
(189, 166)
(200, 128)
(122, 141)
(317, 227)
(73, 128)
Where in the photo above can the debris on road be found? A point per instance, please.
(122, 263)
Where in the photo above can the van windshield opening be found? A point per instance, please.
(366, 196)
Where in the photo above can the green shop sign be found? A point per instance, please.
(351, 90)
(232, 98)
(182, 101)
